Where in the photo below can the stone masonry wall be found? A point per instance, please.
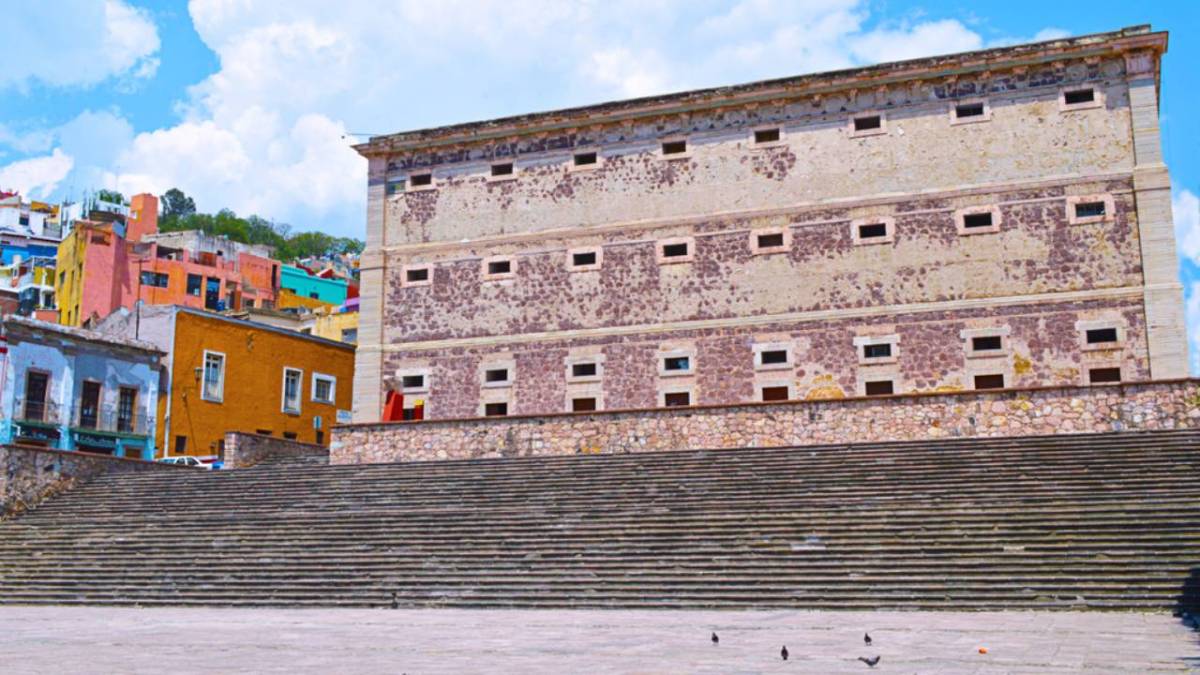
(29, 475)
(244, 450)
(1058, 410)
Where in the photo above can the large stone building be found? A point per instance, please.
(993, 219)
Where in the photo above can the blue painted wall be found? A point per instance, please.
(296, 280)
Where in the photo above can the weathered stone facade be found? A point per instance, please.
(1052, 410)
(29, 475)
(243, 450)
(546, 262)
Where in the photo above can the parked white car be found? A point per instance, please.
(186, 461)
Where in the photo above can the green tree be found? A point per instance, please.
(176, 204)
(110, 196)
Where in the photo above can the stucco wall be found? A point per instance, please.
(1062, 410)
(30, 475)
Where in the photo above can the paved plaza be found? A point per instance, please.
(100, 640)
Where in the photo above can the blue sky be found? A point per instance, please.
(246, 104)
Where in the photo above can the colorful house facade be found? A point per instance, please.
(76, 389)
(328, 290)
(100, 269)
(228, 374)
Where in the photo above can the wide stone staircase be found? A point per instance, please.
(1106, 521)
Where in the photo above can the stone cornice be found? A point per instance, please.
(1124, 41)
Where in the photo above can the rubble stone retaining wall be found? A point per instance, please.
(1054, 410)
(29, 475)
(244, 450)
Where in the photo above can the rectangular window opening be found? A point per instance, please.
(1104, 375)
(775, 393)
(773, 240)
(872, 231)
(675, 250)
(995, 381)
(1079, 96)
(1097, 336)
(774, 356)
(586, 404)
(966, 110)
(412, 381)
(987, 343)
(290, 435)
(766, 135)
(291, 390)
(499, 267)
(674, 147)
(879, 351)
(879, 388)
(677, 399)
(420, 179)
(971, 220)
(585, 158)
(417, 274)
(495, 409)
(677, 363)
(180, 445)
(583, 370)
(868, 123)
(505, 169)
(583, 259)
(495, 375)
(1089, 209)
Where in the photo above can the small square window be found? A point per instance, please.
(774, 356)
(779, 393)
(975, 220)
(1078, 96)
(877, 351)
(678, 250)
(412, 382)
(677, 364)
(677, 399)
(1090, 210)
(586, 158)
(1104, 375)
(503, 169)
(1101, 336)
(495, 375)
(584, 404)
(499, 267)
(416, 275)
(995, 381)
(674, 148)
(495, 409)
(584, 259)
(879, 388)
(868, 123)
(773, 240)
(967, 110)
(872, 231)
(987, 343)
(420, 180)
(586, 369)
(764, 136)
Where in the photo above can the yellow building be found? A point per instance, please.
(226, 374)
(289, 300)
(340, 326)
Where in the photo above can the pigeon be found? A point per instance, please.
(783, 653)
(869, 662)
(715, 639)
(867, 639)
(395, 602)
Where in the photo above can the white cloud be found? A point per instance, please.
(937, 37)
(1186, 207)
(264, 133)
(77, 43)
(36, 177)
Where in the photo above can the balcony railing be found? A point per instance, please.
(109, 419)
(40, 412)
